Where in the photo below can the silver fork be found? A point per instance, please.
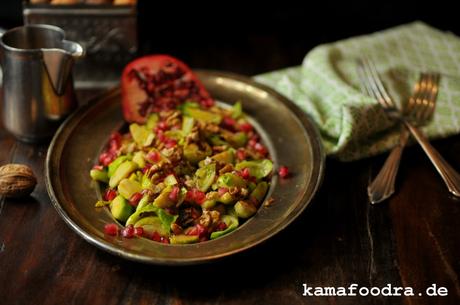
(416, 113)
(425, 94)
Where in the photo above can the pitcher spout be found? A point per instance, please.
(59, 63)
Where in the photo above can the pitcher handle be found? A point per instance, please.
(2, 31)
(74, 48)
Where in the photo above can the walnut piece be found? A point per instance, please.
(16, 180)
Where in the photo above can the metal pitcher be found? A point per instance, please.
(38, 88)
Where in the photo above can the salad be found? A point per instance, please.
(188, 174)
(187, 170)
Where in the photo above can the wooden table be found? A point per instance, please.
(410, 241)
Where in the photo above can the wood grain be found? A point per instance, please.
(339, 240)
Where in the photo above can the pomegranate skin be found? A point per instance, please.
(158, 82)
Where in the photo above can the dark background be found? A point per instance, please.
(261, 35)
(275, 33)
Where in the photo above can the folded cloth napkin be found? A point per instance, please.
(353, 125)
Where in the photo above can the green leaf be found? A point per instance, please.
(237, 110)
(101, 203)
(184, 107)
(141, 134)
(257, 168)
(152, 121)
(232, 224)
(205, 176)
(166, 219)
(146, 210)
(115, 164)
(187, 125)
(99, 175)
(203, 115)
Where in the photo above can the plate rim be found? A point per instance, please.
(305, 120)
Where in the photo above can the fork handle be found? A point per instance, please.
(448, 174)
(383, 186)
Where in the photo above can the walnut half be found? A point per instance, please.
(16, 180)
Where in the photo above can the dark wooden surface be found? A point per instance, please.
(340, 239)
(410, 241)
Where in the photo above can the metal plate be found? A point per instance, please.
(289, 134)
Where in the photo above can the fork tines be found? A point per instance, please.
(372, 83)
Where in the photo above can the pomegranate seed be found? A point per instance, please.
(222, 191)
(201, 230)
(245, 173)
(199, 196)
(189, 196)
(207, 103)
(221, 226)
(260, 149)
(241, 154)
(161, 137)
(228, 122)
(113, 146)
(170, 143)
(110, 194)
(135, 198)
(162, 126)
(116, 136)
(245, 127)
(194, 195)
(106, 158)
(200, 199)
(146, 168)
(111, 229)
(160, 134)
(252, 142)
(153, 156)
(283, 171)
(115, 141)
(174, 195)
(138, 231)
(197, 230)
(128, 232)
(156, 237)
(98, 167)
(164, 240)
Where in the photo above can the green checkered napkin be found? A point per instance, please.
(353, 125)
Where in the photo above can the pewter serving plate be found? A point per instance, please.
(290, 136)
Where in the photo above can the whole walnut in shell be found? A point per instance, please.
(16, 180)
